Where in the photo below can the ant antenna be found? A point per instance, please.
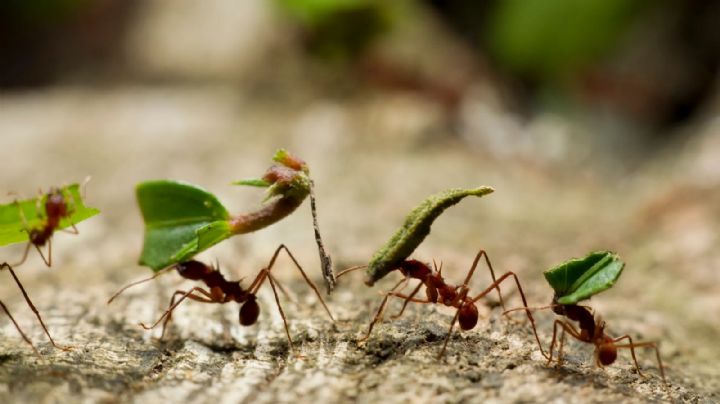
(126, 287)
(325, 260)
(351, 269)
(83, 187)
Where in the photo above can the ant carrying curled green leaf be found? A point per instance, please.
(182, 220)
(393, 257)
(35, 221)
(574, 281)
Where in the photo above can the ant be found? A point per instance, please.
(7, 266)
(591, 331)
(56, 209)
(440, 292)
(219, 290)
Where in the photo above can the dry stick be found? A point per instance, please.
(325, 260)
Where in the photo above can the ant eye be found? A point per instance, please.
(249, 312)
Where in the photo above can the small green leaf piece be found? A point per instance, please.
(253, 182)
(14, 230)
(580, 278)
(414, 230)
(181, 220)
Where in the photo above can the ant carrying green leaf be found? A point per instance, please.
(393, 257)
(574, 281)
(35, 221)
(182, 220)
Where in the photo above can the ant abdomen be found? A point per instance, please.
(606, 354)
(468, 316)
(249, 311)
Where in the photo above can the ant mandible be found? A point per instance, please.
(219, 290)
(440, 292)
(591, 331)
(56, 208)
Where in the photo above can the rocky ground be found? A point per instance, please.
(373, 158)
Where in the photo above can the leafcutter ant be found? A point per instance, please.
(579, 279)
(439, 292)
(219, 290)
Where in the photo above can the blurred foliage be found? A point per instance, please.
(341, 29)
(40, 11)
(550, 38)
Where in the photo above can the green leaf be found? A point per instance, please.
(14, 230)
(414, 230)
(580, 278)
(253, 182)
(181, 220)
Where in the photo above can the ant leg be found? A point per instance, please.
(378, 314)
(176, 304)
(495, 284)
(407, 300)
(32, 306)
(24, 256)
(73, 231)
(560, 349)
(565, 327)
(172, 302)
(47, 261)
(632, 347)
(447, 338)
(524, 300)
(282, 313)
(124, 288)
(259, 280)
(25, 337)
(302, 272)
(348, 270)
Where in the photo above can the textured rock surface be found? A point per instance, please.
(661, 218)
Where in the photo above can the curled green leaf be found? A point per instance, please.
(14, 230)
(580, 278)
(414, 230)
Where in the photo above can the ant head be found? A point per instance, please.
(249, 311)
(55, 205)
(193, 270)
(468, 315)
(606, 353)
(415, 269)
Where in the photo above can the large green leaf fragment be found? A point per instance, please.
(416, 227)
(13, 229)
(580, 278)
(181, 220)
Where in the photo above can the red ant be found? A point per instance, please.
(440, 292)
(223, 291)
(56, 209)
(592, 331)
(7, 266)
